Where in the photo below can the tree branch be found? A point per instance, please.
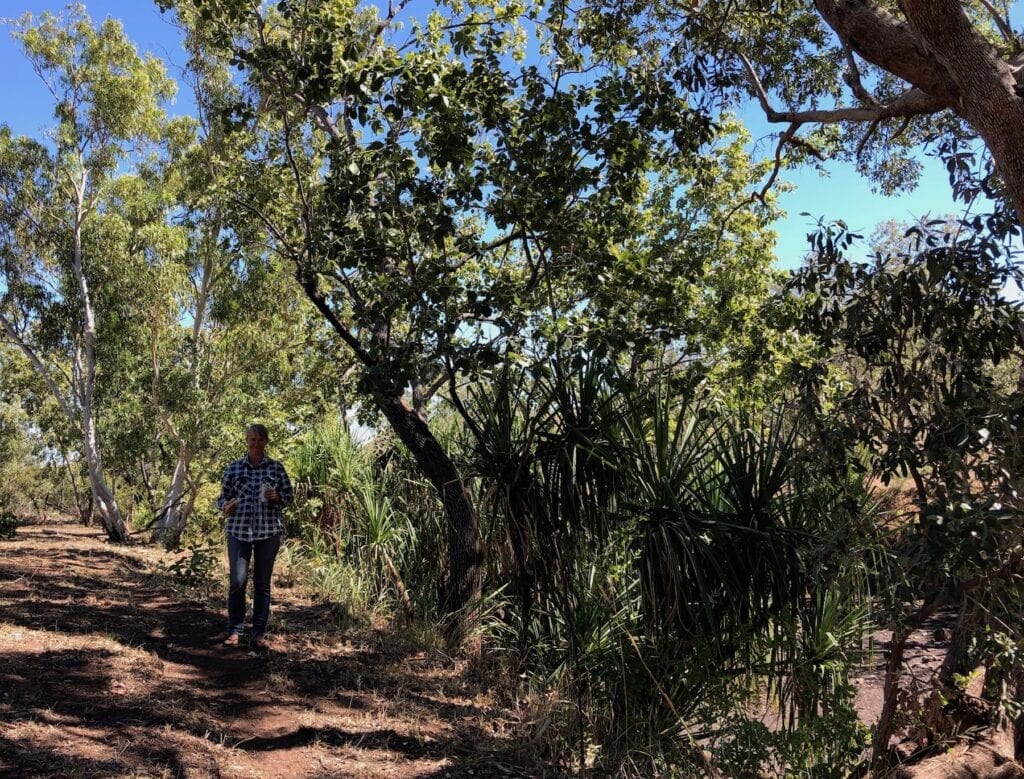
(260, 359)
(308, 282)
(1001, 22)
(854, 82)
(306, 213)
(327, 123)
(453, 393)
(867, 137)
(952, 39)
(393, 11)
(890, 43)
(46, 376)
(271, 227)
(913, 102)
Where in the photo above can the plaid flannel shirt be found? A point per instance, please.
(254, 520)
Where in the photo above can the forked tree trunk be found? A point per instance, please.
(890, 690)
(955, 661)
(173, 539)
(102, 498)
(172, 513)
(83, 515)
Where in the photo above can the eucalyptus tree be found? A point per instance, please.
(66, 229)
(439, 201)
(245, 360)
(228, 334)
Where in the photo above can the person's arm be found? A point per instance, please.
(227, 489)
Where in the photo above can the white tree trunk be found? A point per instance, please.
(103, 498)
(175, 509)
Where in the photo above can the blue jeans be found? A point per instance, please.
(239, 554)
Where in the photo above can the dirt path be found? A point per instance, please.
(107, 671)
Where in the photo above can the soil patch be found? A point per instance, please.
(107, 670)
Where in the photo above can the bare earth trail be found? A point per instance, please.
(107, 671)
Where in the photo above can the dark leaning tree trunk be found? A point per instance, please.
(465, 557)
(464, 546)
(893, 671)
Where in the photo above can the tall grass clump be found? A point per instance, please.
(352, 518)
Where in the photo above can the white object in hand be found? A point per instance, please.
(266, 487)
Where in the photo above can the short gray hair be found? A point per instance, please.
(260, 430)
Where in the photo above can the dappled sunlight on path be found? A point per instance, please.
(108, 670)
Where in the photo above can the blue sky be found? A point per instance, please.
(842, 194)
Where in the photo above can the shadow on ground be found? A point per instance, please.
(152, 689)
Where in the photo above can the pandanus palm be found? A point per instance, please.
(698, 537)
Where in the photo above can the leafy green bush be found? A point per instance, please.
(199, 568)
(657, 547)
(8, 525)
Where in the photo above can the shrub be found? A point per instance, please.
(8, 525)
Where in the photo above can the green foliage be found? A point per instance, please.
(8, 525)
(403, 152)
(206, 525)
(821, 748)
(1003, 651)
(30, 472)
(811, 67)
(654, 537)
(566, 245)
(911, 339)
(327, 467)
(331, 577)
(909, 343)
(199, 568)
(352, 510)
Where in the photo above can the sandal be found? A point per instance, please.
(233, 639)
(259, 643)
